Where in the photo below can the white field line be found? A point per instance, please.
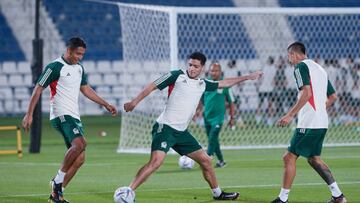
(189, 188)
(129, 162)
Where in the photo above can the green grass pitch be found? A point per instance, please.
(256, 174)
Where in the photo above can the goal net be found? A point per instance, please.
(159, 39)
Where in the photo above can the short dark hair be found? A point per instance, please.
(75, 42)
(297, 47)
(198, 56)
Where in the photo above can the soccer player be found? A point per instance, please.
(214, 109)
(170, 129)
(315, 95)
(66, 77)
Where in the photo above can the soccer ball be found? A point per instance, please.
(124, 195)
(186, 163)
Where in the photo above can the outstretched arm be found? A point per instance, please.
(129, 106)
(91, 94)
(228, 82)
(28, 118)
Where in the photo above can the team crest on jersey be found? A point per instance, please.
(76, 131)
(163, 145)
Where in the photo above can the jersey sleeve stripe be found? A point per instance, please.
(298, 78)
(162, 79)
(46, 76)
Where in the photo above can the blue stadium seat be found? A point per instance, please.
(9, 47)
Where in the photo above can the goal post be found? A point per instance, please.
(158, 39)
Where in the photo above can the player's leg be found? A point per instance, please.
(213, 140)
(187, 145)
(72, 131)
(73, 169)
(323, 170)
(209, 175)
(215, 136)
(210, 150)
(162, 140)
(156, 160)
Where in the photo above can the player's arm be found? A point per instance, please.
(129, 106)
(90, 93)
(331, 95)
(28, 118)
(305, 95)
(161, 83)
(302, 77)
(229, 82)
(50, 74)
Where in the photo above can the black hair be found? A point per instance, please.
(297, 47)
(198, 56)
(75, 42)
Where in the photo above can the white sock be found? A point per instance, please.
(216, 191)
(284, 194)
(335, 190)
(59, 177)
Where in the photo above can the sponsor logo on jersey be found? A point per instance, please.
(68, 74)
(302, 130)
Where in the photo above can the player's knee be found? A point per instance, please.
(287, 159)
(155, 164)
(205, 162)
(313, 161)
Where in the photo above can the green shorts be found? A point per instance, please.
(165, 137)
(69, 127)
(307, 142)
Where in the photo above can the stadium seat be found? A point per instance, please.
(118, 66)
(9, 67)
(3, 81)
(103, 67)
(95, 79)
(110, 79)
(89, 66)
(16, 80)
(24, 67)
(21, 93)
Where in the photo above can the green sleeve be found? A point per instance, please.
(302, 75)
(84, 77)
(229, 95)
(211, 85)
(50, 74)
(167, 79)
(330, 89)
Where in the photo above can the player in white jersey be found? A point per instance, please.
(66, 78)
(170, 129)
(316, 94)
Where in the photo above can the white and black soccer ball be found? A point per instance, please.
(124, 195)
(186, 163)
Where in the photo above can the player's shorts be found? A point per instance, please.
(307, 142)
(165, 137)
(69, 127)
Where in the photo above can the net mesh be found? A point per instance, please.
(242, 42)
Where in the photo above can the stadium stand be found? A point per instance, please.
(104, 57)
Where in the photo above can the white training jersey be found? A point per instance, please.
(313, 114)
(65, 81)
(183, 97)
